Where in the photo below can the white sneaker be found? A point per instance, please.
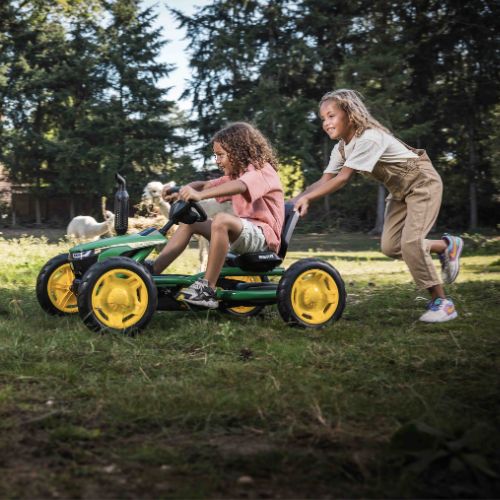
(438, 311)
(450, 258)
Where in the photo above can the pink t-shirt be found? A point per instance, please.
(263, 203)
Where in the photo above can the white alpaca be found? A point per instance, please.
(152, 195)
(85, 227)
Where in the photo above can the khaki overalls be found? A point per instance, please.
(411, 210)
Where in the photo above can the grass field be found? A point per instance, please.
(205, 406)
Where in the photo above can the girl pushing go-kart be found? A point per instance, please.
(415, 193)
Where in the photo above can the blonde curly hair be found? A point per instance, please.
(245, 144)
(351, 101)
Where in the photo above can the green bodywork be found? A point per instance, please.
(141, 245)
(173, 280)
(138, 247)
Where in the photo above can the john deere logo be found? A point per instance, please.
(266, 256)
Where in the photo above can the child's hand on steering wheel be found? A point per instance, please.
(187, 193)
(168, 195)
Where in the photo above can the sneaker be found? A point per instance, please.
(450, 258)
(199, 294)
(438, 311)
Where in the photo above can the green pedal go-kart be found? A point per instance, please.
(106, 283)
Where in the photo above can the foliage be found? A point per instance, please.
(484, 244)
(428, 70)
(430, 454)
(292, 178)
(80, 96)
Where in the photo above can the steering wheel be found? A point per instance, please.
(202, 215)
(187, 212)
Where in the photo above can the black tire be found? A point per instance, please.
(311, 294)
(244, 311)
(117, 295)
(53, 287)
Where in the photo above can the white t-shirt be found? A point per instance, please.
(363, 152)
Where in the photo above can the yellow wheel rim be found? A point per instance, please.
(246, 279)
(315, 297)
(119, 298)
(59, 290)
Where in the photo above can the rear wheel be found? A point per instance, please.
(245, 311)
(117, 295)
(311, 294)
(54, 287)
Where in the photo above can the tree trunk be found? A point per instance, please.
(38, 212)
(14, 215)
(473, 205)
(473, 219)
(379, 223)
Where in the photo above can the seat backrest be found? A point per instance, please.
(291, 218)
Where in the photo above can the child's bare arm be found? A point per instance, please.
(198, 185)
(330, 186)
(324, 178)
(227, 189)
(169, 196)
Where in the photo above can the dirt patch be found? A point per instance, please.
(42, 464)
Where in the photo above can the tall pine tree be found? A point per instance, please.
(131, 123)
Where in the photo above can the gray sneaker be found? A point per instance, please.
(199, 294)
(450, 258)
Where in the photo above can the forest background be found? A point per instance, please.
(80, 96)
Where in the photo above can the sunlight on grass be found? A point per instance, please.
(23, 255)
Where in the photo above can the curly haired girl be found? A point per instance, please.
(252, 183)
(415, 193)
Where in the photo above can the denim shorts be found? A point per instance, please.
(251, 239)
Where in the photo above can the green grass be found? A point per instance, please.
(377, 405)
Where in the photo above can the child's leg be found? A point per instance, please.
(225, 229)
(423, 208)
(423, 205)
(178, 243)
(437, 246)
(394, 221)
(400, 238)
(397, 224)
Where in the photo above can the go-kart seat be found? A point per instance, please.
(265, 261)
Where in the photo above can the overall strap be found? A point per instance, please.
(341, 149)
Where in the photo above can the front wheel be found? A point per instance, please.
(54, 290)
(117, 295)
(311, 294)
